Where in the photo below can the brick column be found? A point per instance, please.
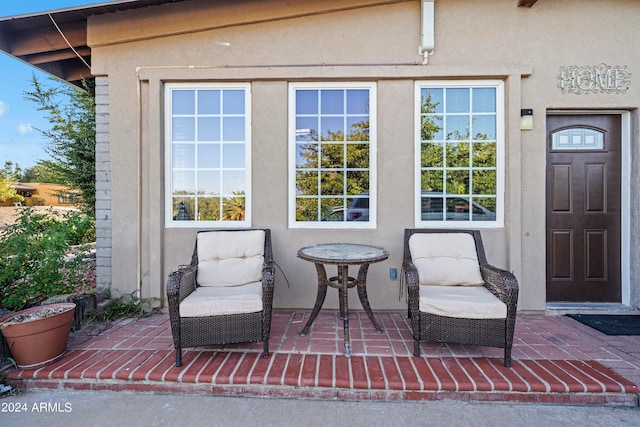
(103, 186)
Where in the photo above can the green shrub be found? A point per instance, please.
(39, 257)
(38, 200)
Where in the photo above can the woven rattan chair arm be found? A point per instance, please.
(182, 282)
(268, 274)
(411, 275)
(501, 283)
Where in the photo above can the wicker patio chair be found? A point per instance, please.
(454, 295)
(226, 294)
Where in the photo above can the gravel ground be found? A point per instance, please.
(8, 214)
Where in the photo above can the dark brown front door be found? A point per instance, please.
(583, 208)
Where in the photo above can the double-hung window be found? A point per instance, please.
(332, 153)
(208, 155)
(459, 154)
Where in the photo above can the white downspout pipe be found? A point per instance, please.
(427, 38)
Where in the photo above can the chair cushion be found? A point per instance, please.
(230, 258)
(445, 259)
(217, 300)
(470, 302)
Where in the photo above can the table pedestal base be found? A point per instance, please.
(342, 282)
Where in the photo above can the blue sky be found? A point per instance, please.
(20, 142)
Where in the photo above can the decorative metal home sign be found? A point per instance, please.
(587, 79)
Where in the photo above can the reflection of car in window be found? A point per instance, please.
(358, 210)
(457, 208)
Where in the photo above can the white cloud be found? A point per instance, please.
(3, 108)
(24, 128)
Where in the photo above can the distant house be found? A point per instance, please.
(520, 118)
(43, 194)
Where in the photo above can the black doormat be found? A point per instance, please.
(610, 324)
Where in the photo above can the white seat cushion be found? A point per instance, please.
(216, 300)
(471, 302)
(230, 258)
(445, 259)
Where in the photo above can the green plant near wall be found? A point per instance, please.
(40, 257)
(127, 305)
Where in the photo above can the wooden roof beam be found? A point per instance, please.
(41, 58)
(47, 39)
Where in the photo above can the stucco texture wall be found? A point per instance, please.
(272, 43)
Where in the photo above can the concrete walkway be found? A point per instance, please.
(71, 408)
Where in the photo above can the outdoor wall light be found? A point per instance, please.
(526, 119)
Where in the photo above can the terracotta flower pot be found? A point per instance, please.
(36, 343)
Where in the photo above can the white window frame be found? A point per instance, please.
(169, 221)
(500, 153)
(371, 86)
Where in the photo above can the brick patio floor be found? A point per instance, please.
(555, 360)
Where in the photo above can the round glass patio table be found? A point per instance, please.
(342, 255)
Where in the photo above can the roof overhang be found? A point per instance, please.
(56, 41)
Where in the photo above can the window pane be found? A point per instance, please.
(208, 155)
(484, 154)
(332, 102)
(184, 182)
(208, 183)
(458, 209)
(432, 128)
(457, 127)
(484, 100)
(184, 156)
(432, 155)
(357, 182)
(458, 155)
(484, 127)
(208, 208)
(457, 100)
(432, 100)
(484, 209)
(357, 102)
(233, 102)
(232, 182)
(233, 155)
(233, 128)
(458, 182)
(307, 155)
(332, 129)
(307, 102)
(233, 207)
(432, 181)
(183, 209)
(332, 156)
(183, 129)
(358, 156)
(577, 139)
(332, 183)
(484, 182)
(307, 129)
(306, 183)
(307, 209)
(208, 102)
(183, 101)
(431, 208)
(208, 129)
(358, 128)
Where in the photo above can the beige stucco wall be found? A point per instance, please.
(274, 42)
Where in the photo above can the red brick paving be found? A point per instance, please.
(555, 360)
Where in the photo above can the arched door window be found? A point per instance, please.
(577, 139)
